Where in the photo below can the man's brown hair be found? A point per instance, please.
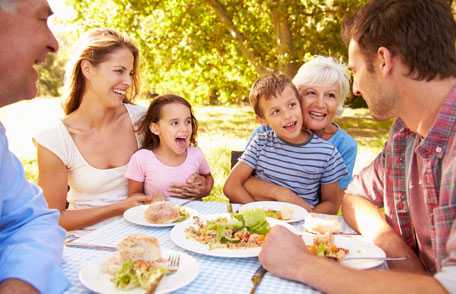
(268, 87)
(421, 32)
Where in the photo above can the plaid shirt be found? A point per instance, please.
(385, 182)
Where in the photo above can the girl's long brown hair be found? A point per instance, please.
(150, 140)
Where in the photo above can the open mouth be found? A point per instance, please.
(181, 142)
(317, 115)
(120, 93)
(291, 126)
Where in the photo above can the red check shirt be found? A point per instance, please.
(387, 183)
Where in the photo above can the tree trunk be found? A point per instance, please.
(288, 60)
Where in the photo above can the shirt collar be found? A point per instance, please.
(437, 139)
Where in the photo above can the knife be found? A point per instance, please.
(91, 246)
(257, 277)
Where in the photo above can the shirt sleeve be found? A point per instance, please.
(250, 155)
(31, 241)
(204, 168)
(57, 141)
(135, 168)
(369, 182)
(335, 168)
(349, 157)
(260, 129)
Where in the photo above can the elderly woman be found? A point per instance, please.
(323, 85)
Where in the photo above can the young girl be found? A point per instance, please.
(169, 164)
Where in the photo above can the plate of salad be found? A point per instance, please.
(94, 276)
(237, 235)
(287, 212)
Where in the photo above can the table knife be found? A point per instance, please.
(91, 246)
(257, 277)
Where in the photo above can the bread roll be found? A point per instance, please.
(161, 212)
(139, 247)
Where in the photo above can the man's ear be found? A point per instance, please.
(385, 61)
(86, 68)
(154, 129)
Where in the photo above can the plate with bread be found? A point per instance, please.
(137, 266)
(158, 214)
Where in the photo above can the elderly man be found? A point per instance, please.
(30, 238)
(402, 55)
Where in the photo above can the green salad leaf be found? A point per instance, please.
(254, 220)
(131, 276)
(125, 277)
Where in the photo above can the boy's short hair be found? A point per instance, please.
(268, 87)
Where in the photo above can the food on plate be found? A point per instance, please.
(245, 229)
(285, 213)
(164, 212)
(323, 245)
(137, 263)
(321, 224)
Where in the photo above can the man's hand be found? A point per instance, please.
(15, 286)
(283, 253)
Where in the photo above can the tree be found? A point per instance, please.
(217, 48)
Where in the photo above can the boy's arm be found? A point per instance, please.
(234, 184)
(331, 198)
(263, 190)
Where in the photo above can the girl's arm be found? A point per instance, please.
(53, 179)
(262, 190)
(135, 188)
(234, 184)
(331, 198)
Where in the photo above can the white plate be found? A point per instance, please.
(179, 237)
(135, 215)
(357, 247)
(92, 276)
(299, 213)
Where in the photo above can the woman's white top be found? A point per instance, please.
(89, 186)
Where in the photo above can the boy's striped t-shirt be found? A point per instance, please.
(301, 168)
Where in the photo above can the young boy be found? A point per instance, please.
(288, 155)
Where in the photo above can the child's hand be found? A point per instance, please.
(194, 187)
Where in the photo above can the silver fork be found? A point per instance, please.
(172, 265)
(173, 262)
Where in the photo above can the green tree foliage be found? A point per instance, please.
(212, 50)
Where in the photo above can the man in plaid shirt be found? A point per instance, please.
(402, 55)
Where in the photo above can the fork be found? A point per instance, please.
(172, 266)
(173, 263)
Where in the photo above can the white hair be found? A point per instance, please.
(8, 5)
(325, 70)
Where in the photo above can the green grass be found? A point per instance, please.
(226, 128)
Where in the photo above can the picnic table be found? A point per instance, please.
(217, 275)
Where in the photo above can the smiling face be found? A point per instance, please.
(283, 114)
(26, 40)
(110, 80)
(174, 128)
(319, 105)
